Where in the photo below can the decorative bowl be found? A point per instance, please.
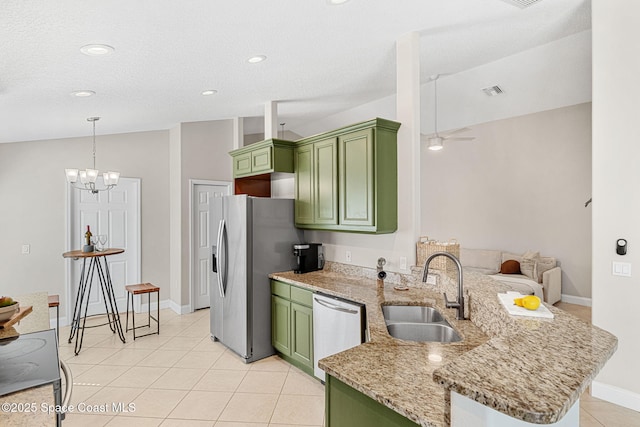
(8, 311)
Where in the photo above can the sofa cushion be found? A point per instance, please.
(528, 267)
(545, 264)
(520, 283)
(506, 256)
(485, 261)
(510, 266)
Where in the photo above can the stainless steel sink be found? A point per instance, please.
(411, 313)
(418, 323)
(423, 332)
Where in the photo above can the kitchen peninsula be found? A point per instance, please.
(37, 320)
(532, 370)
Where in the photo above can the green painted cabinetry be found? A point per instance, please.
(271, 155)
(347, 407)
(316, 173)
(347, 179)
(292, 324)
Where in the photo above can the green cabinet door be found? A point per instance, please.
(261, 160)
(356, 178)
(303, 166)
(242, 164)
(325, 182)
(302, 334)
(281, 324)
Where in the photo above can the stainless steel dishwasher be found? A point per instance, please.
(338, 325)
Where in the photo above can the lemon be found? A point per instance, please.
(531, 302)
(518, 302)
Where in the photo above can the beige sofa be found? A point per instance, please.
(539, 276)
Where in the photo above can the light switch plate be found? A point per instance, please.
(431, 279)
(621, 269)
(403, 263)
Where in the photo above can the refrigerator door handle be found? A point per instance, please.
(220, 258)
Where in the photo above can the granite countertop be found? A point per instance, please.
(489, 365)
(37, 320)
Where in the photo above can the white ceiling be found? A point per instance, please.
(321, 59)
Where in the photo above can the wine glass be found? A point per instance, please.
(94, 242)
(102, 238)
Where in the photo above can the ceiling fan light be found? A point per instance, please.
(435, 144)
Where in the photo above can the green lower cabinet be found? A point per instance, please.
(292, 324)
(280, 324)
(302, 334)
(347, 407)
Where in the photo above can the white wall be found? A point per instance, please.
(33, 206)
(204, 148)
(616, 207)
(520, 185)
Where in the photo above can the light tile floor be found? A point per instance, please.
(182, 378)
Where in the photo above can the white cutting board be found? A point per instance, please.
(516, 310)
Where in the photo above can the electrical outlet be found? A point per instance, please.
(26, 249)
(348, 256)
(403, 263)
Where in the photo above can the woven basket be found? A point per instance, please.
(426, 248)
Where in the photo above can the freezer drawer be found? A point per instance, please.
(338, 325)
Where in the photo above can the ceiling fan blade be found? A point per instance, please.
(460, 138)
(451, 132)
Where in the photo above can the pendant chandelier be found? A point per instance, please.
(88, 177)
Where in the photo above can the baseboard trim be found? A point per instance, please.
(179, 309)
(63, 322)
(616, 395)
(163, 304)
(576, 300)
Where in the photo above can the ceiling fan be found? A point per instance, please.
(435, 141)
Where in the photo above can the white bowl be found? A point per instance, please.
(8, 311)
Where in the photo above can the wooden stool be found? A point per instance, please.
(54, 301)
(143, 288)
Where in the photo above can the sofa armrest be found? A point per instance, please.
(552, 284)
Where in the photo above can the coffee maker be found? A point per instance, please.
(309, 257)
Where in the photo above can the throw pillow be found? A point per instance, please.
(528, 266)
(544, 264)
(510, 266)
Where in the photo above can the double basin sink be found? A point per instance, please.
(418, 323)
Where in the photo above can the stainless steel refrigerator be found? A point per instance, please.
(255, 238)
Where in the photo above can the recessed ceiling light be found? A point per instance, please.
(82, 93)
(96, 49)
(336, 2)
(209, 92)
(256, 59)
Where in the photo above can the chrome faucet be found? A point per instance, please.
(459, 303)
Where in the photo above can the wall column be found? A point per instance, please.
(408, 113)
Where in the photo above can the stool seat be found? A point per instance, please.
(139, 289)
(54, 300)
(142, 288)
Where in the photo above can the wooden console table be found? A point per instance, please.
(84, 291)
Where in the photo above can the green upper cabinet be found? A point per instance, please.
(316, 178)
(347, 179)
(271, 155)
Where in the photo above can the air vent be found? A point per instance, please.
(521, 3)
(493, 90)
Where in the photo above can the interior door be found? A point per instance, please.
(115, 213)
(207, 216)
